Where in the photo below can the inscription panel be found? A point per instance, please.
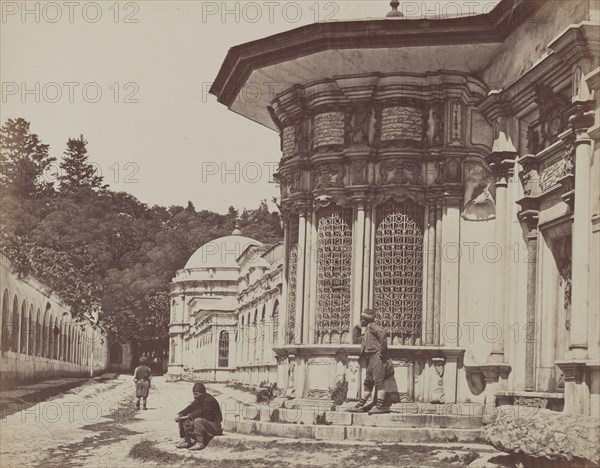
(288, 141)
(401, 123)
(328, 129)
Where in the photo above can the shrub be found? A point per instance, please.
(340, 392)
(321, 419)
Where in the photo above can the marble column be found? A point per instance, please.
(300, 276)
(283, 302)
(308, 335)
(437, 282)
(358, 264)
(450, 256)
(501, 164)
(581, 119)
(430, 256)
(530, 218)
(367, 252)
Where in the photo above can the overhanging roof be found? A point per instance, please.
(464, 44)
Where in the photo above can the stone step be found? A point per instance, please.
(353, 433)
(303, 415)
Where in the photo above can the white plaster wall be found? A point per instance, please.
(527, 44)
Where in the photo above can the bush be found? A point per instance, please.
(266, 394)
(340, 392)
(321, 419)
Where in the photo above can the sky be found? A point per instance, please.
(133, 79)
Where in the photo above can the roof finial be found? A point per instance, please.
(394, 13)
(237, 231)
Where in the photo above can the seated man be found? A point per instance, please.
(200, 421)
(379, 366)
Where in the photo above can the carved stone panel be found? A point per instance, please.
(401, 123)
(288, 141)
(328, 129)
(556, 168)
(359, 125)
(359, 176)
(396, 172)
(329, 176)
(456, 123)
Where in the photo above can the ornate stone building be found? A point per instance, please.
(224, 311)
(445, 173)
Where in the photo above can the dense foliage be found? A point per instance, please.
(99, 249)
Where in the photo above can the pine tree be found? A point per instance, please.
(24, 160)
(76, 172)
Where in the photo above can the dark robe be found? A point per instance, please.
(204, 415)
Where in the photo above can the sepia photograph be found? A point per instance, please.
(300, 233)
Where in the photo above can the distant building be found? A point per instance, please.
(222, 304)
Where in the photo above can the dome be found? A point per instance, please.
(221, 252)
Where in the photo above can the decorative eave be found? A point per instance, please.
(389, 33)
(578, 41)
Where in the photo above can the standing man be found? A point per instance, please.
(142, 377)
(200, 421)
(373, 346)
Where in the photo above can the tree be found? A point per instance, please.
(24, 160)
(76, 172)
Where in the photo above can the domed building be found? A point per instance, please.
(211, 332)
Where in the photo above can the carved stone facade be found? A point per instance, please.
(442, 199)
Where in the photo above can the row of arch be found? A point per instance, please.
(36, 332)
(254, 338)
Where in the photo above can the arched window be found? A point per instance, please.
(224, 349)
(14, 329)
(398, 282)
(275, 323)
(5, 322)
(173, 350)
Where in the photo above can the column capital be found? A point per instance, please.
(581, 118)
(529, 174)
(573, 371)
(529, 215)
(492, 372)
(502, 164)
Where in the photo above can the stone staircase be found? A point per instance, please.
(407, 422)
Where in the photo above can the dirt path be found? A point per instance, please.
(96, 425)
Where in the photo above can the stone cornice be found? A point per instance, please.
(575, 43)
(492, 27)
